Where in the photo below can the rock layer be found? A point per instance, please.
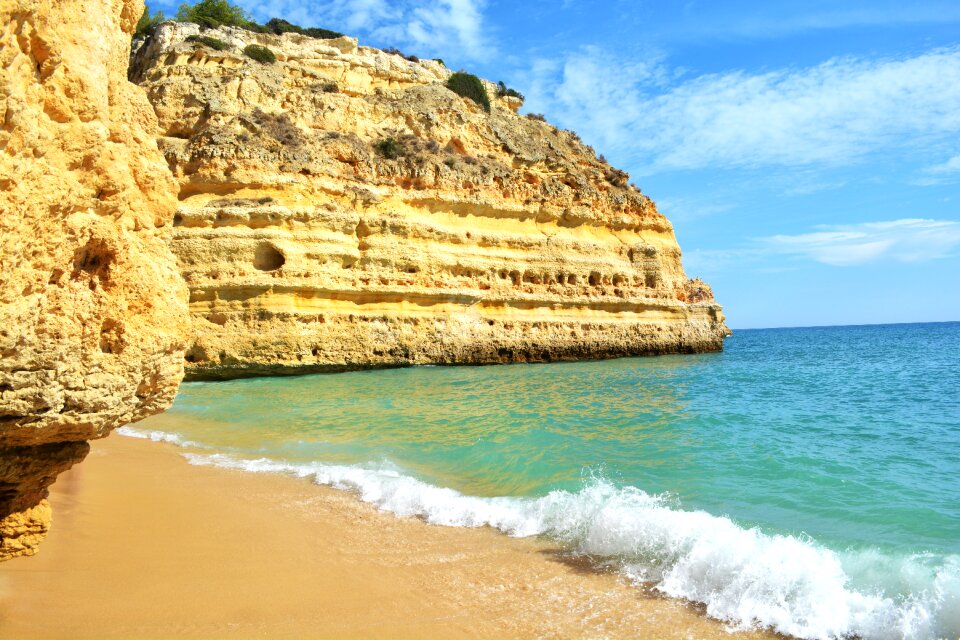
(341, 208)
(93, 316)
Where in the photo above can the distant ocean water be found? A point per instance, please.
(806, 480)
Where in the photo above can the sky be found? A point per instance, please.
(807, 153)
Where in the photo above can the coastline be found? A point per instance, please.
(145, 545)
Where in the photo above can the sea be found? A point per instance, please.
(804, 480)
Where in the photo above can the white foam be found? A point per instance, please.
(159, 436)
(743, 576)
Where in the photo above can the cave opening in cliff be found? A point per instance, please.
(268, 258)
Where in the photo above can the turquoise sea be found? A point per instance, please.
(806, 480)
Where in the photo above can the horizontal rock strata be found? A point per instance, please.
(93, 315)
(341, 208)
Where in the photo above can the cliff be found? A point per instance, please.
(93, 316)
(341, 208)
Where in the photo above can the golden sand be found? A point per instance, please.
(145, 545)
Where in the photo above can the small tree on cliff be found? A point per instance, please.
(213, 13)
(469, 86)
(148, 22)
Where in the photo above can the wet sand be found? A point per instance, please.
(145, 545)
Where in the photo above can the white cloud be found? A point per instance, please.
(831, 114)
(944, 173)
(770, 20)
(450, 23)
(950, 166)
(428, 27)
(687, 208)
(712, 262)
(906, 240)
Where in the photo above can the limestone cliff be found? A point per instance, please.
(341, 208)
(93, 316)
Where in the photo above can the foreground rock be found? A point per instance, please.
(93, 317)
(489, 237)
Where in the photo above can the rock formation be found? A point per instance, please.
(341, 208)
(93, 316)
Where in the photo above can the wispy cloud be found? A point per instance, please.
(831, 114)
(712, 262)
(906, 240)
(715, 20)
(944, 173)
(686, 208)
(950, 166)
(429, 27)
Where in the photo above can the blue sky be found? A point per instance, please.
(808, 153)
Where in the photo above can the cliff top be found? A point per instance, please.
(387, 117)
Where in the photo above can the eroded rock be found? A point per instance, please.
(343, 209)
(93, 318)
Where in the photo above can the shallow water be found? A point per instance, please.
(804, 479)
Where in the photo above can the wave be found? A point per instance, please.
(743, 576)
(160, 436)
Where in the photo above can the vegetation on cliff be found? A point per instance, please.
(211, 14)
(503, 91)
(214, 43)
(469, 86)
(148, 22)
(259, 53)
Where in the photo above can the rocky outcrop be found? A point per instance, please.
(341, 208)
(93, 317)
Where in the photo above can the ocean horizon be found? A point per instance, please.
(840, 326)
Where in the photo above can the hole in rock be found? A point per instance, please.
(268, 258)
(94, 258)
(196, 353)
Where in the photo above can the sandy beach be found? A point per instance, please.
(145, 545)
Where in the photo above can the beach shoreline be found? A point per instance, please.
(145, 545)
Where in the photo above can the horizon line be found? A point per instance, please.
(834, 326)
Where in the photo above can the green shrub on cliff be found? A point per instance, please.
(469, 86)
(503, 91)
(213, 43)
(210, 14)
(148, 23)
(279, 27)
(389, 148)
(259, 53)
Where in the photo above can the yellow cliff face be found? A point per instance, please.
(93, 316)
(479, 238)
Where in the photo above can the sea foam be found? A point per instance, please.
(159, 436)
(743, 576)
